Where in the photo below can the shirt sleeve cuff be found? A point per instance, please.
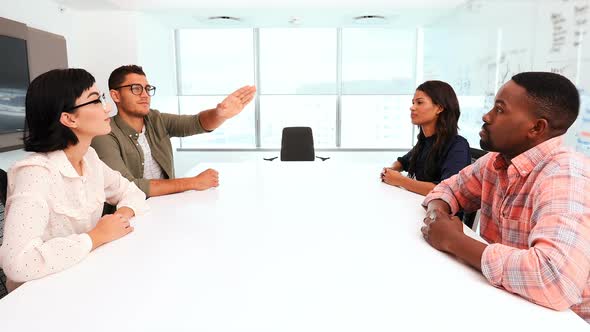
(143, 185)
(200, 125)
(86, 242)
(403, 162)
(446, 197)
(139, 208)
(492, 262)
(135, 200)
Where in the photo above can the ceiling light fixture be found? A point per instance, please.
(370, 19)
(224, 20)
(294, 20)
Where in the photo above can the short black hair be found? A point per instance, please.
(48, 96)
(556, 97)
(118, 75)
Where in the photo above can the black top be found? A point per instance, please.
(455, 157)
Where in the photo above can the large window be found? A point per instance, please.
(212, 62)
(376, 121)
(236, 133)
(378, 76)
(211, 65)
(354, 85)
(351, 86)
(298, 84)
(378, 61)
(279, 111)
(298, 61)
(472, 110)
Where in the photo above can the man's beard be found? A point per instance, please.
(485, 145)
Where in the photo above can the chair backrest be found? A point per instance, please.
(3, 290)
(3, 186)
(297, 144)
(476, 154)
(3, 189)
(469, 219)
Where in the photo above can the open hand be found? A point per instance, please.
(233, 104)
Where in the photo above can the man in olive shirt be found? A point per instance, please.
(139, 143)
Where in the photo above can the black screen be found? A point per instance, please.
(14, 80)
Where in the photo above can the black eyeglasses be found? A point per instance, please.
(101, 99)
(137, 89)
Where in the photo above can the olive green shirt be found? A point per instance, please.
(121, 151)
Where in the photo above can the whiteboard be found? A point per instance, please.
(483, 44)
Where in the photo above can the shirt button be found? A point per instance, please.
(141, 164)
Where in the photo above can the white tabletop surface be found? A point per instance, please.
(314, 246)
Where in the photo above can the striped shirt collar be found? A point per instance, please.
(526, 161)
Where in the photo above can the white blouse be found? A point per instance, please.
(50, 208)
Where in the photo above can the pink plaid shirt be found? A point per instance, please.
(535, 213)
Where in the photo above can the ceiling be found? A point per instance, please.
(157, 5)
(277, 13)
(293, 13)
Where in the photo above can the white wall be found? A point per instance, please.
(40, 14)
(98, 41)
(156, 54)
(102, 41)
(155, 49)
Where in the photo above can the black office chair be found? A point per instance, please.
(469, 218)
(297, 145)
(3, 190)
(3, 187)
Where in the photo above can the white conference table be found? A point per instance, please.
(277, 247)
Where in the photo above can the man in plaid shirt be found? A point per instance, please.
(532, 192)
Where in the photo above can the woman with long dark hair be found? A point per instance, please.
(56, 195)
(440, 152)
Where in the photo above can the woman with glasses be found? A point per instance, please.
(56, 195)
(440, 152)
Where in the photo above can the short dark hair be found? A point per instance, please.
(48, 96)
(555, 97)
(118, 75)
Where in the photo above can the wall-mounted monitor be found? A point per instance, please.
(14, 81)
